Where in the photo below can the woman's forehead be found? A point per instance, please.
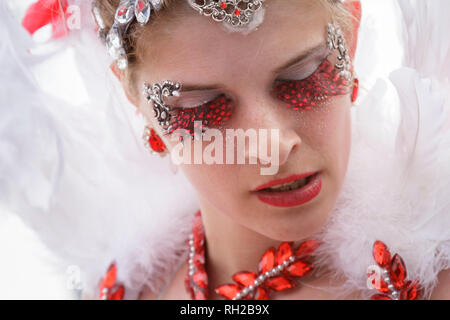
(199, 46)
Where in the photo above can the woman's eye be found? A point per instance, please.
(323, 84)
(211, 114)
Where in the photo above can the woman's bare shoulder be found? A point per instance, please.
(175, 290)
(442, 289)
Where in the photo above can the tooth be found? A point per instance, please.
(290, 186)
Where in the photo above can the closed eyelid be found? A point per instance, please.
(192, 98)
(306, 67)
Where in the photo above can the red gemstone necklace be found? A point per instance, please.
(276, 269)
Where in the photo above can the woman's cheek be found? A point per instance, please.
(333, 137)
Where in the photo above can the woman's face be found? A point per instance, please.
(197, 51)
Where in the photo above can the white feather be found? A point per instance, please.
(81, 178)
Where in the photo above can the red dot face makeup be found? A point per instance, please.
(212, 114)
(323, 84)
(312, 80)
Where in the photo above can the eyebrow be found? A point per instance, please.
(292, 62)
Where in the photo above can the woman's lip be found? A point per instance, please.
(294, 197)
(284, 180)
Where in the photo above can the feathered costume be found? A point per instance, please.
(80, 176)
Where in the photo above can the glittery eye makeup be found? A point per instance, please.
(212, 114)
(307, 93)
(303, 83)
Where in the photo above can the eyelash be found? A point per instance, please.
(322, 84)
(212, 114)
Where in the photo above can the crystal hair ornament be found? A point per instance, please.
(234, 12)
(126, 13)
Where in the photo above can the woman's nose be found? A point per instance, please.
(275, 128)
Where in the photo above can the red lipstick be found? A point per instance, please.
(294, 197)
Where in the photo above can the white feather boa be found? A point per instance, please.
(81, 178)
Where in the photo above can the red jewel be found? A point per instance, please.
(281, 263)
(284, 251)
(108, 288)
(409, 291)
(355, 89)
(110, 277)
(141, 5)
(299, 269)
(223, 5)
(396, 271)
(280, 283)
(200, 295)
(229, 291)
(306, 248)
(155, 141)
(237, 12)
(244, 278)
(267, 261)
(122, 11)
(118, 294)
(381, 254)
(201, 279)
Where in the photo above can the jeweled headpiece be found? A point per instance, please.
(236, 13)
(126, 13)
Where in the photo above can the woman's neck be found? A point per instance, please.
(230, 247)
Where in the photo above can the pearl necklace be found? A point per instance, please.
(275, 269)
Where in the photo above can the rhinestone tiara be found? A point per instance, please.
(236, 13)
(126, 13)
